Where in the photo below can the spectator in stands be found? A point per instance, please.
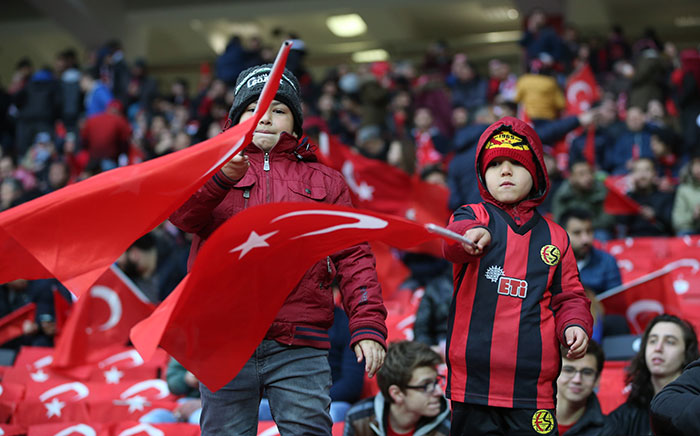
(555, 178)
(664, 143)
(142, 88)
(468, 89)
(410, 400)
(607, 129)
(633, 143)
(106, 136)
(674, 410)
(539, 92)
(70, 95)
(654, 218)
(97, 94)
(431, 145)
(584, 191)
(597, 269)
(231, 62)
(669, 344)
(649, 76)
(686, 206)
(685, 84)
(578, 409)
(38, 105)
(540, 37)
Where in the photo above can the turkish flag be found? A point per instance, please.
(143, 429)
(616, 202)
(391, 271)
(69, 429)
(240, 267)
(380, 187)
(75, 233)
(641, 300)
(101, 318)
(11, 324)
(130, 409)
(582, 91)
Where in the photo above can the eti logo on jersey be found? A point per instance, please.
(506, 285)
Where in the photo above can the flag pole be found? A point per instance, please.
(433, 228)
(691, 263)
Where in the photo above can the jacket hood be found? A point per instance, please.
(523, 129)
(296, 149)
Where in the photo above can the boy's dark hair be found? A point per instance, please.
(401, 359)
(579, 213)
(638, 375)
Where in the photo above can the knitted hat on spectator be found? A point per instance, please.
(505, 143)
(249, 86)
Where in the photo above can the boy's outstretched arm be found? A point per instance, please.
(470, 221)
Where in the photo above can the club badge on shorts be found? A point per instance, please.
(543, 421)
(550, 255)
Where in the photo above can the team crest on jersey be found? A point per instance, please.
(506, 285)
(550, 255)
(543, 421)
(507, 139)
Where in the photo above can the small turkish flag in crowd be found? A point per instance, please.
(143, 429)
(69, 429)
(582, 91)
(616, 202)
(101, 318)
(240, 266)
(11, 325)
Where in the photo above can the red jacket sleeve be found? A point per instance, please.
(569, 301)
(461, 220)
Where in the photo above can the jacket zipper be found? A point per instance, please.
(266, 168)
(246, 196)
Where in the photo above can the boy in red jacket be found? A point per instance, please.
(291, 363)
(517, 296)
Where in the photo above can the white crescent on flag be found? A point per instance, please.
(160, 385)
(83, 429)
(642, 306)
(363, 221)
(148, 429)
(115, 306)
(132, 355)
(81, 391)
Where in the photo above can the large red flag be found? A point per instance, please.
(11, 325)
(380, 187)
(75, 233)
(212, 322)
(100, 319)
(642, 299)
(616, 202)
(69, 429)
(581, 91)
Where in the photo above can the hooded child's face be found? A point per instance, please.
(507, 180)
(276, 120)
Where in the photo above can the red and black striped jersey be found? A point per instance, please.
(509, 310)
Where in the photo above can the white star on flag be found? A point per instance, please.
(137, 402)
(113, 376)
(254, 241)
(54, 408)
(365, 191)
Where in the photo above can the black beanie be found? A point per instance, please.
(249, 86)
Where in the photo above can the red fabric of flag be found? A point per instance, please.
(617, 203)
(101, 318)
(589, 146)
(69, 429)
(11, 324)
(643, 299)
(216, 317)
(75, 233)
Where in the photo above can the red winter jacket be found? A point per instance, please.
(289, 173)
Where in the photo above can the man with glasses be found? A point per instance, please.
(410, 401)
(578, 409)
